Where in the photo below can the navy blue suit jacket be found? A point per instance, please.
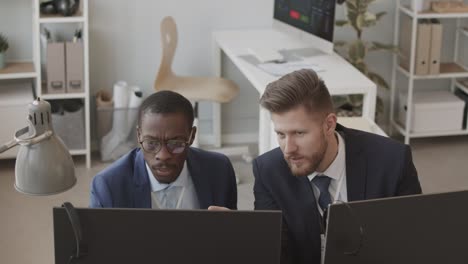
(125, 183)
(376, 167)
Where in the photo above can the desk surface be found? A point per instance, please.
(339, 76)
(361, 123)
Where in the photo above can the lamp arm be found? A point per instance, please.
(15, 140)
(34, 140)
(8, 145)
(26, 141)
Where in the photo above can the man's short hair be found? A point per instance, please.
(166, 102)
(302, 87)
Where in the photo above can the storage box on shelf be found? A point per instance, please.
(65, 67)
(433, 111)
(420, 33)
(449, 6)
(68, 122)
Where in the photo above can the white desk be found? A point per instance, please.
(340, 77)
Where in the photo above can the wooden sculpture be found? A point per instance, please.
(193, 88)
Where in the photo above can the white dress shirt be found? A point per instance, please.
(179, 194)
(337, 172)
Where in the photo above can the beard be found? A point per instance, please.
(310, 163)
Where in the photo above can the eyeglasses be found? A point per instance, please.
(174, 146)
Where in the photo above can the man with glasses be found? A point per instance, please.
(166, 172)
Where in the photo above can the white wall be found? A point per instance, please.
(125, 44)
(16, 24)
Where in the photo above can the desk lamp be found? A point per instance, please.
(43, 164)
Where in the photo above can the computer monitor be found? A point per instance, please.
(429, 229)
(310, 20)
(141, 236)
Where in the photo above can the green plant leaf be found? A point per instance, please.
(379, 106)
(352, 16)
(378, 46)
(360, 21)
(369, 19)
(367, 2)
(361, 66)
(357, 51)
(378, 80)
(341, 23)
(340, 43)
(339, 100)
(3, 43)
(351, 4)
(355, 100)
(380, 15)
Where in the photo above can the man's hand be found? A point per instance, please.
(218, 208)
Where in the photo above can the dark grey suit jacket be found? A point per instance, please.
(376, 167)
(125, 183)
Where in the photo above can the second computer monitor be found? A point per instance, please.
(429, 229)
(311, 20)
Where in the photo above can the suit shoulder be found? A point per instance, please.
(208, 156)
(374, 142)
(120, 168)
(271, 157)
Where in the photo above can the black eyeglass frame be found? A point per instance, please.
(165, 143)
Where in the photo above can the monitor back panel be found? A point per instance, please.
(171, 236)
(429, 229)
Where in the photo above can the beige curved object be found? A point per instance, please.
(194, 88)
(104, 99)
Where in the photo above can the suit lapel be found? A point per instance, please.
(304, 213)
(309, 204)
(200, 180)
(142, 192)
(356, 165)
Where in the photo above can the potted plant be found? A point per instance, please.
(355, 51)
(3, 48)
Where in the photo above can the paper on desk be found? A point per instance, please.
(280, 69)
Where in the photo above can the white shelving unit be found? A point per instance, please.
(81, 19)
(32, 69)
(453, 71)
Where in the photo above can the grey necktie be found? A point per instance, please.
(323, 182)
(170, 197)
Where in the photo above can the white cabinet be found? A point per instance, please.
(453, 67)
(32, 70)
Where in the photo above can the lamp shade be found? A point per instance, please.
(44, 168)
(43, 165)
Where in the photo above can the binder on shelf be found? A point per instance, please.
(75, 65)
(55, 67)
(436, 46)
(422, 5)
(423, 38)
(404, 42)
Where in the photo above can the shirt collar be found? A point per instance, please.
(158, 186)
(334, 170)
